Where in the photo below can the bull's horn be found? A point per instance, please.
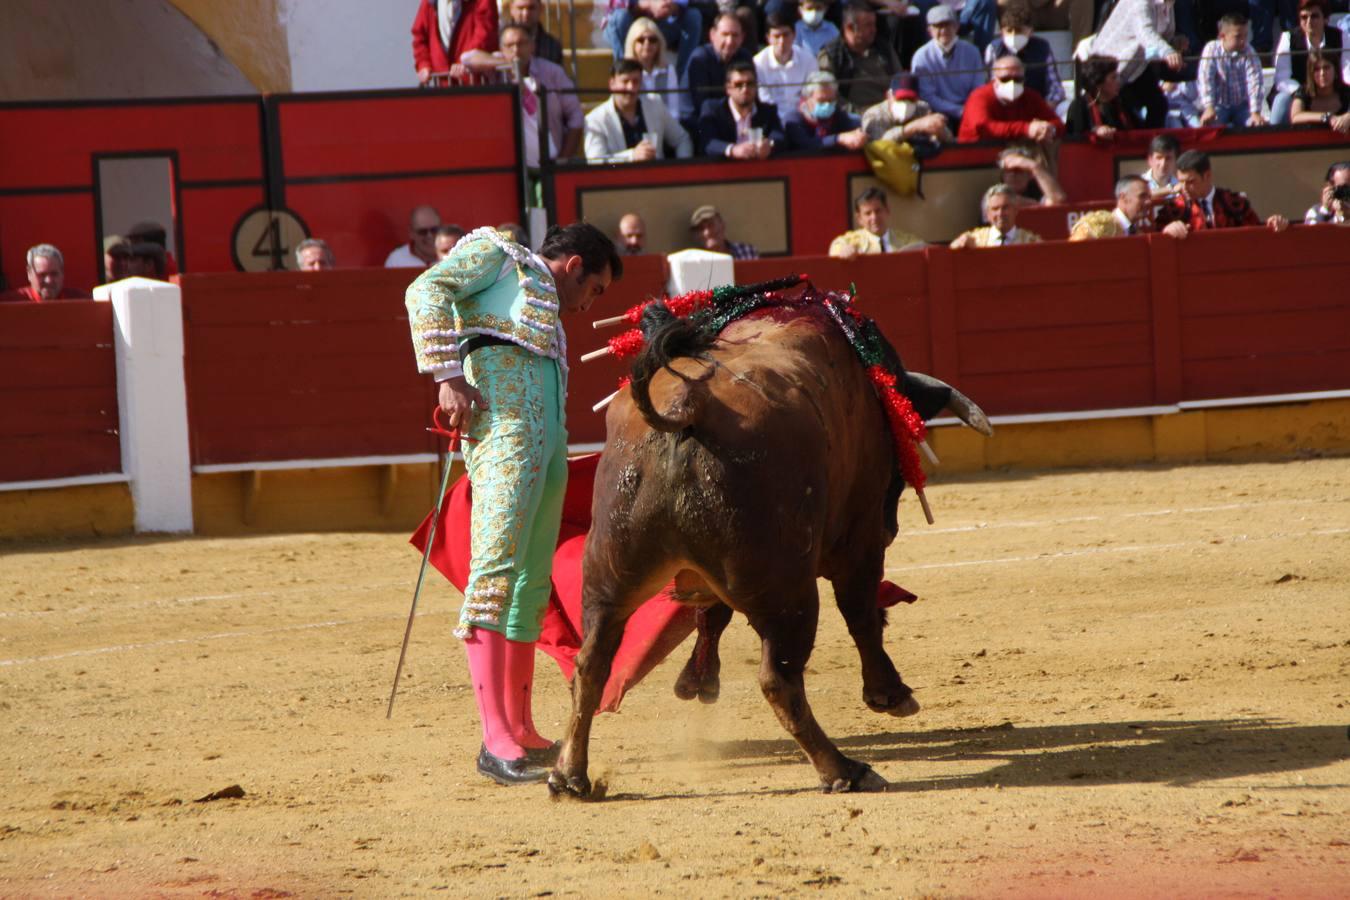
(966, 410)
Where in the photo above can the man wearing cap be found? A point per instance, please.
(902, 116)
(948, 68)
(46, 278)
(116, 257)
(710, 232)
(1004, 110)
(872, 214)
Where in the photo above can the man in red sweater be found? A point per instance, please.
(1005, 110)
(445, 30)
(46, 278)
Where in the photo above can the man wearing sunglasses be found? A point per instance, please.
(736, 127)
(1005, 110)
(420, 251)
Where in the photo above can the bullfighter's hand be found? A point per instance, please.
(1277, 223)
(458, 399)
(1176, 230)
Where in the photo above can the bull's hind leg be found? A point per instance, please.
(701, 676)
(855, 593)
(603, 622)
(787, 635)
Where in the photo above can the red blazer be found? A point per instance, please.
(986, 119)
(475, 30)
(1231, 210)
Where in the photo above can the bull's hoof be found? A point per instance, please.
(686, 686)
(861, 778)
(689, 685)
(899, 703)
(569, 786)
(709, 690)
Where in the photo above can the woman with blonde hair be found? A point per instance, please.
(647, 45)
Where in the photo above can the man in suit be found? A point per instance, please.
(737, 127)
(1134, 209)
(1200, 206)
(874, 234)
(1000, 211)
(623, 127)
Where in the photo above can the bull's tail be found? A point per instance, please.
(668, 338)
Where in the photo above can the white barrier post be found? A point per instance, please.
(699, 270)
(152, 400)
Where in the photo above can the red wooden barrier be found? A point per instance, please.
(58, 391)
(1053, 223)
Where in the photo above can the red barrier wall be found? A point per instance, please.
(58, 391)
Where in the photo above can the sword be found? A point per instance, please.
(454, 436)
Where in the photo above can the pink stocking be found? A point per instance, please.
(520, 695)
(487, 673)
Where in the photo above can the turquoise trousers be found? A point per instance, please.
(517, 462)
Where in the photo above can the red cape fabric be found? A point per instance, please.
(656, 629)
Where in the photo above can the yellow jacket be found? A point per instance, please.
(984, 236)
(864, 241)
(1100, 223)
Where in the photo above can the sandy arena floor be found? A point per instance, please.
(1135, 683)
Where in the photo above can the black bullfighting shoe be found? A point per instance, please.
(543, 756)
(509, 771)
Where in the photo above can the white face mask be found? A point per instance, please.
(1015, 40)
(813, 17)
(902, 110)
(1008, 91)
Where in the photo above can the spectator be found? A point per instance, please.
(632, 236)
(1140, 33)
(1133, 213)
(681, 25)
(1161, 175)
(711, 231)
(314, 255)
(515, 232)
(1340, 205)
(1291, 55)
(948, 68)
(781, 67)
(565, 119)
(1003, 110)
(873, 234)
(736, 126)
(546, 46)
(1338, 176)
(983, 18)
(629, 127)
(863, 67)
(1183, 103)
(1015, 38)
(420, 251)
(1023, 168)
(1200, 206)
(150, 260)
(46, 278)
(1325, 100)
(1230, 77)
(814, 31)
(154, 233)
(447, 236)
(904, 117)
(1000, 211)
(446, 31)
(647, 45)
(818, 122)
(116, 257)
(1097, 110)
(707, 73)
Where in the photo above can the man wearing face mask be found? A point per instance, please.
(904, 117)
(1015, 38)
(948, 68)
(818, 123)
(1003, 110)
(814, 31)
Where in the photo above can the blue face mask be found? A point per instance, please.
(823, 110)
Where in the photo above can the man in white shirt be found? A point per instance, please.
(629, 127)
(420, 251)
(782, 67)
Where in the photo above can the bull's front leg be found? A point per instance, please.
(701, 676)
(604, 633)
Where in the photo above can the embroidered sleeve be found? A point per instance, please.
(437, 299)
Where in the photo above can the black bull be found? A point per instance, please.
(743, 471)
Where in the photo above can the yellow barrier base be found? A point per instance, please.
(398, 497)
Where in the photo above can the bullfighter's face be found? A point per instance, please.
(576, 289)
(1196, 185)
(874, 216)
